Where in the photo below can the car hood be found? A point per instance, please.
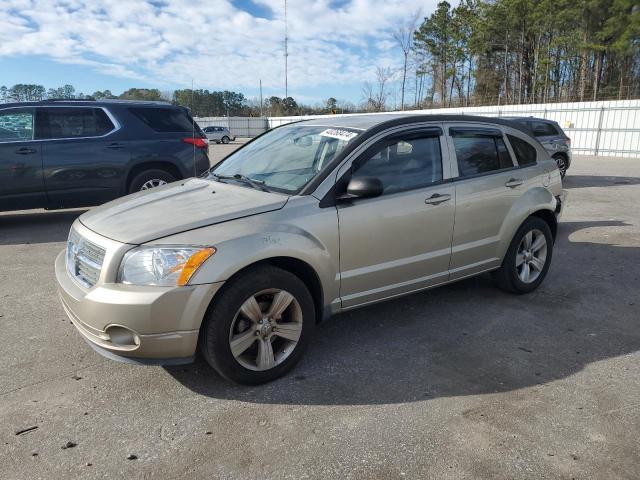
(177, 207)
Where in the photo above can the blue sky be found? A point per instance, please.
(335, 46)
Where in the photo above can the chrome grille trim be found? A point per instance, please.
(84, 259)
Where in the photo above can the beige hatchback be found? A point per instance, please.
(305, 221)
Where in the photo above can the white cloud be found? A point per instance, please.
(210, 41)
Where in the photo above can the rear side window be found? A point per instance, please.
(72, 122)
(525, 153)
(165, 120)
(543, 129)
(477, 153)
(16, 126)
(403, 164)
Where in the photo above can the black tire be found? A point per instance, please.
(225, 139)
(561, 161)
(506, 277)
(214, 340)
(149, 175)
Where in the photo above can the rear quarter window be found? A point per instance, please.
(543, 129)
(525, 152)
(165, 120)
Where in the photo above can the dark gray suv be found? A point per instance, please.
(552, 138)
(62, 154)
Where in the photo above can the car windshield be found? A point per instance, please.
(286, 158)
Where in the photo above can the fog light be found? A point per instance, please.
(122, 337)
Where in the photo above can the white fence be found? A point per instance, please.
(609, 128)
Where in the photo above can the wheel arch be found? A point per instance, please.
(301, 269)
(150, 165)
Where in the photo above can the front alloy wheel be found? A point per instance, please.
(266, 329)
(258, 325)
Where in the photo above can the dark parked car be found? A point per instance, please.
(552, 138)
(61, 154)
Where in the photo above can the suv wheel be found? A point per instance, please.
(528, 258)
(150, 179)
(562, 164)
(259, 327)
(225, 139)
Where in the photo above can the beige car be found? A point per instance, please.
(305, 221)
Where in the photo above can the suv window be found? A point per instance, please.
(543, 129)
(480, 153)
(16, 126)
(403, 163)
(72, 122)
(525, 153)
(164, 120)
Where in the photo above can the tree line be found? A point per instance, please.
(201, 102)
(515, 51)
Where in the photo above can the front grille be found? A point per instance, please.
(84, 259)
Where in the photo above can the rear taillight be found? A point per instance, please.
(568, 141)
(197, 142)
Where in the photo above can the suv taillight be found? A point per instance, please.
(197, 142)
(568, 141)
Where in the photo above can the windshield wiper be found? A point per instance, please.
(256, 184)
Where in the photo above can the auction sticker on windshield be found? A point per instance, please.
(339, 133)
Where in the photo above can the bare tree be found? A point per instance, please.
(375, 95)
(404, 39)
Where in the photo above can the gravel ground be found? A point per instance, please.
(458, 382)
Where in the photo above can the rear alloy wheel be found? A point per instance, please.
(225, 139)
(561, 161)
(150, 179)
(259, 327)
(528, 258)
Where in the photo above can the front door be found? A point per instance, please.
(400, 241)
(21, 183)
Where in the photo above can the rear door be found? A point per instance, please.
(21, 182)
(85, 154)
(487, 185)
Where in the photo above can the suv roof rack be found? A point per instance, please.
(54, 100)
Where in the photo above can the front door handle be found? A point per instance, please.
(25, 151)
(514, 182)
(116, 146)
(437, 199)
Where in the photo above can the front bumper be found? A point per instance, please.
(137, 324)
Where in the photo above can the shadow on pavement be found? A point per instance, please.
(463, 339)
(36, 226)
(586, 181)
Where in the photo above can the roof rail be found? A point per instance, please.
(54, 100)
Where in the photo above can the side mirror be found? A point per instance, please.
(364, 187)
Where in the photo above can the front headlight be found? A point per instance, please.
(162, 266)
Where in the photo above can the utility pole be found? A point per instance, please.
(286, 53)
(261, 98)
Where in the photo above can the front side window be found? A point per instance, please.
(16, 126)
(403, 163)
(286, 158)
(73, 122)
(478, 153)
(525, 152)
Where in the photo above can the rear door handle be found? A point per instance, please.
(514, 182)
(25, 151)
(116, 146)
(437, 199)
